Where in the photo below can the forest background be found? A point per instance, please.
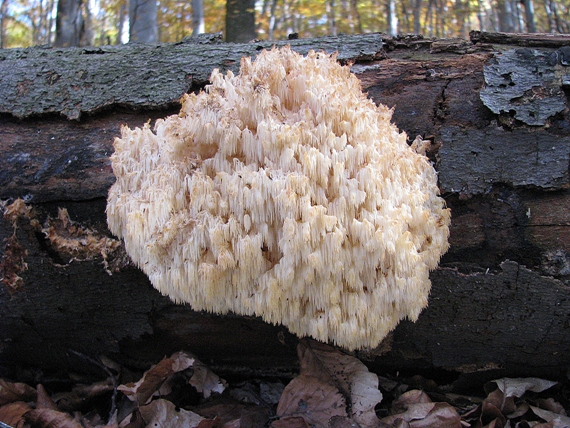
(62, 23)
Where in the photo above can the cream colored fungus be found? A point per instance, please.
(283, 192)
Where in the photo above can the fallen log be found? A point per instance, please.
(496, 116)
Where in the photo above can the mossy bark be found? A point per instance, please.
(500, 300)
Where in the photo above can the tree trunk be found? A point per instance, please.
(69, 23)
(356, 16)
(331, 17)
(198, 26)
(143, 24)
(529, 16)
(392, 17)
(498, 122)
(506, 16)
(3, 20)
(240, 21)
(272, 20)
(122, 20)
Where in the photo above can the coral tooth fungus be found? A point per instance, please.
(283, 192)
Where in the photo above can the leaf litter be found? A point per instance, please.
(333, 389)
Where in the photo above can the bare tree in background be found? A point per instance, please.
(143, 20)
(240, 21)
(529, 16)
(69, 23)
(417, 16)
(122, 22)
(3, 19)
(506, 16)
(87, 33)
(272, 20)
(198, 26)
(392, 17)
(331, 17)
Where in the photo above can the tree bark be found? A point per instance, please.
(498, 121)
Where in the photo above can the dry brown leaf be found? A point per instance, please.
(162, 413)
(312, 398)
(13, 413)
(48, 418)
(254, 416)
(558, 420)
(413, 396)
(270, 392)
(44, 401)
(206, 381)
(347, 374)
(502, 402)
(342, 422)
(237, 423)
(521, 409)
(143, 390)
(209, 423)
(551, 405)
(490, 412)
(223, 410)
(516, 387)
(10, 392)
(75, 399)
(290, 422)
(426, 415)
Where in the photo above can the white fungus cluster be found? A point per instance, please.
(283, 192)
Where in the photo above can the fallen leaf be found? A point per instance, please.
(270, 392)
(224, 410)
(44, 401)
(75, 399)
(551, 405)
(559, 421)
(208, 423)
(143, 390)
(425, 415)
(520, 410)
(348, 374)
(10, 392)
(13, 413)
(499, 400)
(413, 396)
(516, 387)
(491, 414)
(290, 422)
(255, 416)
(206, 381)
(163, 413)
(48, 418)
(248, 392)
(312, 398)
(342, 422)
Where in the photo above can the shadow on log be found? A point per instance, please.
(495, 110)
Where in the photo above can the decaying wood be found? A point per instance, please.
(539, 40)
(496, 115)
(76, 81)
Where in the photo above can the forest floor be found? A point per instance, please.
(332, 389)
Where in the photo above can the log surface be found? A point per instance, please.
(496, 115)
